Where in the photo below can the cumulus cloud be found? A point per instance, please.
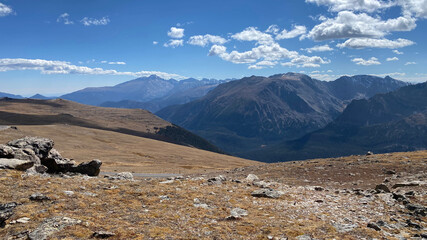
(203, 40)
(410, 63)
(64, 18)
(253, 34)
(417, 8)
(117, 63)
(173, 43)
(155, 42)
(392, 59)
(176, 32)
(351, 25)
(5, 10)
(305, 61)
(375, 43)
(354, 5)
(266, 55)
(297, 31)
(93, 21)
(62, 67)
(397, 52)
(319, 48)
(368, 62)
(262, 64)
(271, 52)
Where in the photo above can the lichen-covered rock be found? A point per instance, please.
(6, 151)
(121, 176)
(50, 226)
(40, 146)
(6, 211)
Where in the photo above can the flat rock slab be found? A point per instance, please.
(17, 164)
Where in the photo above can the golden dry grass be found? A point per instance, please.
(137, 210)
(121, 152)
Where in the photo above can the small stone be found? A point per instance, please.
(23, 220)
(374, 226)
(390, 172)
(69, 193)
(409, 223)
(39, 197)
(382, 188)
(51, 226)
(167, 182)
(407, 184)
(103, 234)
(318, 188)
(369, 153)
(267, 193)
(121, 176)
(252, 177)
(237, 213)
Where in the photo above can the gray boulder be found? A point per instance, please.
(40, 146)
(267, 193)
(56, 163)
(51, 226)
(17, 164)
(26, 154)
(91, 168)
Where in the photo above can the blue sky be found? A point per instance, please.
(57, 46)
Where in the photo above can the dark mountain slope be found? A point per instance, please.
(395, 121)
(250, 112)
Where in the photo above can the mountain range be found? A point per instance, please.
(255, 112)
(395, 121)
(151, 93)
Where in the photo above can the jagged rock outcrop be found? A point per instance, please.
(37, 155)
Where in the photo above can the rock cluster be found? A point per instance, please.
(37, 155)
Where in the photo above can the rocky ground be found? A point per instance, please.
(357, 197)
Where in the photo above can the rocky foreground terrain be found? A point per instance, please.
(356, 197)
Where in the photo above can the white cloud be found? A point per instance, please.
(354, 5)
(410, 63)
(417, 8)
(117, 63)
(397, 52)
(93, 21)
(305, 61)
(329, 71)
(173, 43)
(5, 10)
(62, 67)
(319, 48)
(267, 54)
(375, 43)
(297, 31)
(203, 40)
(176, 32)
(253, 34)
(155, 42)
(371, 61)
(392, 59)
(350, 25)
(262, 64)
(64, 18)
(274, 29)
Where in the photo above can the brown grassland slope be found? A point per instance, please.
(316, 203)
(121, 152)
